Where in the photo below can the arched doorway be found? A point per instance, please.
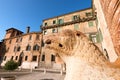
(21, 58)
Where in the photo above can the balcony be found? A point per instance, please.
(69, 23)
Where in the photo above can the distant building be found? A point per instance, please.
(22, 48)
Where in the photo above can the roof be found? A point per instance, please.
(14, 29)
(68, 13)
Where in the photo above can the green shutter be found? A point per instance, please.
(60, 21)
(90, 24)
(90, 37)
(98, 37)
(76, 27)
(101, 37)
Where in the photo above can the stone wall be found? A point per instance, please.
(111, 9)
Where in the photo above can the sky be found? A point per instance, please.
(22, 13)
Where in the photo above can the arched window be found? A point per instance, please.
(15, 49)
(36, 47)
(18, 49)
(28, 48)
(52, 58)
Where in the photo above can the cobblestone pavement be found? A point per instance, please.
(41, 76)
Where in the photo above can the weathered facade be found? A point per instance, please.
(100, 23)
(108, 16)
(22, 48)
(82, 20)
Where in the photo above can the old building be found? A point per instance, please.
(82, 20)
(100, 23)
(22, 48)
(108, 16)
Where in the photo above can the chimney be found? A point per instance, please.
(28, 29)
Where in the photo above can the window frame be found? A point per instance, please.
(28, 47)
(36, 47)
(26, 58)
(43, 58)
(91, 24)
(34, 58)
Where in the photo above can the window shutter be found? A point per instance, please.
(76, 27)
(101, 37)
(90, 24)
(98, 37)
(62, 21)
(90, 37)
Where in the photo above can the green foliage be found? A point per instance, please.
(11, 65)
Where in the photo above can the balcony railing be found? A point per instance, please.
(69, 23)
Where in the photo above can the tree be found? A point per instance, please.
(11, 65)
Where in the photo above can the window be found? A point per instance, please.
(54, 21)
(54, 30)
(37, 37)
(28, 48)
(60, 21)
(76, 27)
(101, 36)
(43, 57)
(93, 38)
(30, 37)
(52, 58)
(26, 57)
(75, 17)
(90, 23)
(5, 58)
(36, 47)
(20, 39)
(12, 57)
(45, 24)
(17, 40)
(34, 58)
(15, 49)
(18, 49)
(16, 57)
(45, 32)
(88, 14)
(10, 41)
(42, 44)
(7, 50)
